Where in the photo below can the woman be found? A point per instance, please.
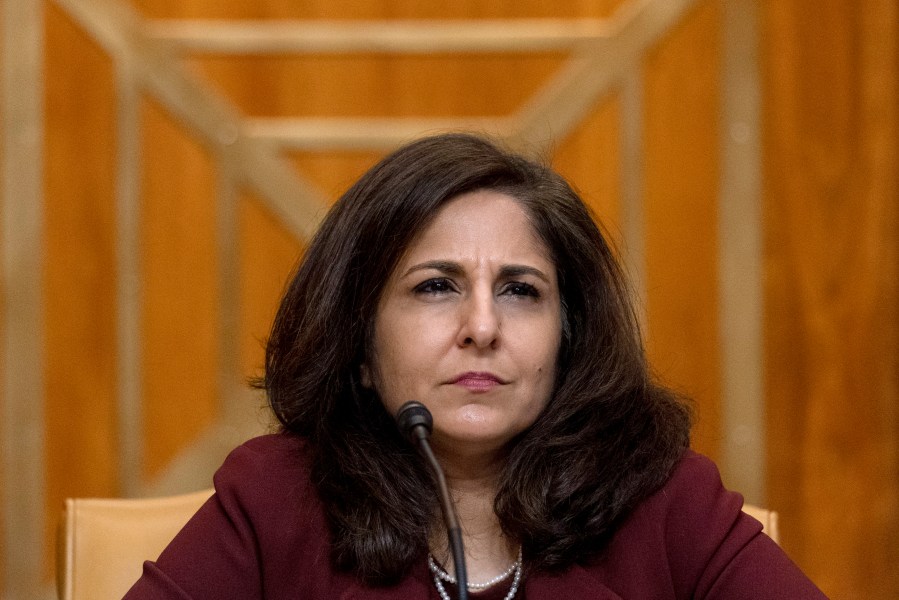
(474, 281)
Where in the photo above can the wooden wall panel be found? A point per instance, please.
(334, 172)
(180, 289)
(79, 274)
(356, 86)
(831, 159)
(681, 188)
(589, 159)
(3, 484)
(371, 9)
(268, 256)
(177, 193)
(832, 250)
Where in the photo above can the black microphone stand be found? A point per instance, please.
(415, 422)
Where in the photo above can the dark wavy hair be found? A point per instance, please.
(607, 438)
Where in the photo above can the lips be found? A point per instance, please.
(477, 381)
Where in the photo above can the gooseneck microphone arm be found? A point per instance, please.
(416, 423)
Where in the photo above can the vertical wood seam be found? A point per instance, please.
(22, 425)
(740, 256)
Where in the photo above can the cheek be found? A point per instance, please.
(545, 378)
(546, 360)
(412, 340)
(395, 360)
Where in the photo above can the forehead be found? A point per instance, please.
(480, 225)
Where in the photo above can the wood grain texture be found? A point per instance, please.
(79, 274)
(22, 408)
(3, 484)
(179, 267)
(830, 216)
(395, 85)
(180, 317)
(371, 9)
(830, 73)
(589, 160)
(681, 186)
(268, 257)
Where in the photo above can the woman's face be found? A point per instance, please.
(469, 324)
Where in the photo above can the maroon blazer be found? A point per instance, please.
(263, 535)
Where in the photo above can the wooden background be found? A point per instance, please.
(830, 115)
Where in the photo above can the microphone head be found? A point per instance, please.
(411, 417)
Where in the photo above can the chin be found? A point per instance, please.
(477, 424)
(482, 438)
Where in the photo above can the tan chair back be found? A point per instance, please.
(103, 542)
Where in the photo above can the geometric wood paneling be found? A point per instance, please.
(680, 214)
(829, 216)
(22, 409)
(832, 262)
(183, 275)
(181, 319)
(740, 259)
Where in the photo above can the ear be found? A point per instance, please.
(365, 375)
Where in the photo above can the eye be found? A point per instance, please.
(519, 288)
(435, 286)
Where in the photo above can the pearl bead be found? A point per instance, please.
(440, 575)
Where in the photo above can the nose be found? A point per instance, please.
(480, 322)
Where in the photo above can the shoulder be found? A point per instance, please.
(694, 497)
(248, 539)
(265, 485)
(701, 523)
(691, 495)
(276, 452)
(270, 469)
(694, 540)
(675, 532)
(661, 548)
(266, 513)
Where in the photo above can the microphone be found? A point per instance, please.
(416, 423)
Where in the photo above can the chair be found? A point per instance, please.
(103, 542)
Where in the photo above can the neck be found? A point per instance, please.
(473, 486)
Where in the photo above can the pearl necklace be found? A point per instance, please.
(440, 575)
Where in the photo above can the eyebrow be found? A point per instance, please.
(453, 268)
